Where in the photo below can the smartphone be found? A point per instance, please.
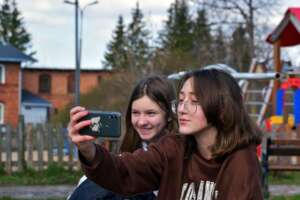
(104, 124)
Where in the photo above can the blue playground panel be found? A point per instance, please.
(297, 107)
(279, 102)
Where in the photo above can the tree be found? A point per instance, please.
(202, 39)
(116, 55)
(177, 33)
(220, 48)
(12, 29)
(231, 13)
(239, 48)
(138, 49)
(175, 44)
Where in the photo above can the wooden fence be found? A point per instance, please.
(37, 146)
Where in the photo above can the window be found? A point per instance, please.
(44, 83)
(71, 84)
(99, 79)
(1, 113)
(2, 74)
(28, 107)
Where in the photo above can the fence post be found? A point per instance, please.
(49, 136)
(265, 165)
(2, 133)
(40, 147)
(114, 145)
(60, 144)
(29, 144)
(21, 144)
(71, 154)
(8, 149)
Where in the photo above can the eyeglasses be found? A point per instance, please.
(190, 106)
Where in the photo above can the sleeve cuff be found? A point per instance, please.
(95, 162)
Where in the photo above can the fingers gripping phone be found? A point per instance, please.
(104, 124)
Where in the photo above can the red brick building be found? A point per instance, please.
(37, 91)
(57, 85)
(10, 79)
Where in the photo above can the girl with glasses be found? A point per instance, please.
(212, 158)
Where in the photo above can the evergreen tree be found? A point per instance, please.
(175, 50)
(239, 48)
(202, 38)
(12, 29)
(220, 49)
(138, 49)
(177, 33)
(116, 55)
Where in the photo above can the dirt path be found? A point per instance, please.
(31, 192)
(285, 190)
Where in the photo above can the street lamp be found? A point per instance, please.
(81, 25)
(78, 46)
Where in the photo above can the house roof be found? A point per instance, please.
(33, 100)
(288, 30)
(9, 53)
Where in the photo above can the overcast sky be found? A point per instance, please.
(51, 24)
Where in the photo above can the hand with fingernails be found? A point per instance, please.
(83, 142)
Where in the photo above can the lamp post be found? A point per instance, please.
(78, 47)
(81, 25)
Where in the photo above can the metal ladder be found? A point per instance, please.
(257, 95)
(258, 101)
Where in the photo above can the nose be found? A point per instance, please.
(181, 107)
(142, 120)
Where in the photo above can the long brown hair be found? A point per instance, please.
(161, 91)
(221, 100)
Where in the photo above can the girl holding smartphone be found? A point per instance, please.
(149, 116)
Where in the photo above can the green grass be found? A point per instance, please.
(286, 178)
(54, 175)
(297, 197)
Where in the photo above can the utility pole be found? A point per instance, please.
(77, 71)
(77, 63)
(78, 47)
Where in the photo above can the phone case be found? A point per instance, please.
(104, 124)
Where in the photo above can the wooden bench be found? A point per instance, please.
(279, 147)
(282, 147)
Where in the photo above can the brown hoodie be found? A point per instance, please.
(164, 168)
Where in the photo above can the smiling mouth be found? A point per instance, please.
(143, 130)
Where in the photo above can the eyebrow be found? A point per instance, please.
(182, 93)
(146, 110)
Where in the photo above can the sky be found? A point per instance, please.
(51, 24)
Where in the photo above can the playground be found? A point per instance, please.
(272, 98)
(273, 101)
